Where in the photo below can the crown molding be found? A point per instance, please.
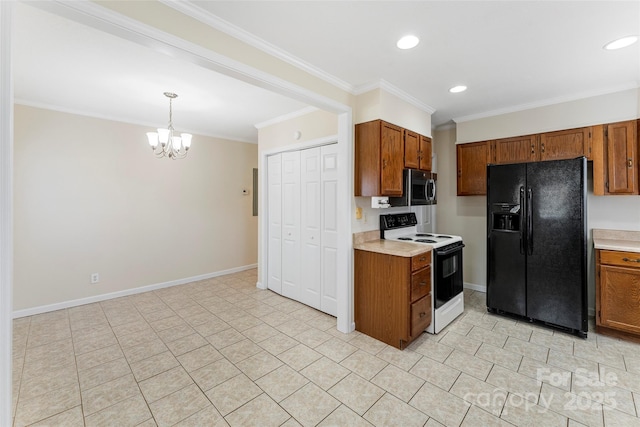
(126, 120)
(547, 102)
(394, 90)
(285, 117)
(203, 15)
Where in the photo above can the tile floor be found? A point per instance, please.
(221, 352)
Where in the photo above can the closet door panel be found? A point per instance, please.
(291, 225)
(274, 190)
(310, 227)
(329, 228)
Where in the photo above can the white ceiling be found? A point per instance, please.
(68, 66)
(510, 54)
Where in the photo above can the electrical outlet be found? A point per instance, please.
(95, 278)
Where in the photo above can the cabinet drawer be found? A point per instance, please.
(420, 283)
(624, 259)
(420, 315)
(420, 261)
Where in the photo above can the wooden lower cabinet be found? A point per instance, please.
(618, 293)
(392, 296)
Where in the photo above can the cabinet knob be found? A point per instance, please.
(424, 258)
(630, 162)
(533, 150)
(423, 283)
(384, 163)
(542, 147)
(422, 314)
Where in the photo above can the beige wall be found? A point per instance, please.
(314, 125)
(380, 104)
(608, 108)
(462, 216)
(90, 197)
(467, 215)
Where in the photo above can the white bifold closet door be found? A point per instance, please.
(303, 221)
(291, 225)
(274, 194)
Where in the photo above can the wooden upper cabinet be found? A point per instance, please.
(472, 160)
(411, 150)
(379, 159)
(621, 151)
(519, 149)
(566, 144)
(425, 153)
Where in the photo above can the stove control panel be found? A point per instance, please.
(391, 221)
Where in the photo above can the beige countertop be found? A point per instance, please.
(616, 240)
(371, 242)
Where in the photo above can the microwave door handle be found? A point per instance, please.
(432, 196)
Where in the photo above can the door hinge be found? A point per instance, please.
(599, 316)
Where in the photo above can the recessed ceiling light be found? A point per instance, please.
(620, 43)
(408, 42)
(458, 89)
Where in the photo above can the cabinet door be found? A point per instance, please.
(425, 153)
(472, 160)
(620, 298)
(622, 170)
(565, 144)
(519, 149)
(411, 150)
(392, 157)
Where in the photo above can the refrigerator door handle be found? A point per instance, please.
(529, 222)
(521, 220)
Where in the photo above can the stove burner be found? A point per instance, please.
(443, 237)
(405, 238)
(425, 241)
(424, 235)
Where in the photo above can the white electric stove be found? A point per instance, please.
(447, 300)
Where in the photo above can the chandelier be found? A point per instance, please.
(164, 143)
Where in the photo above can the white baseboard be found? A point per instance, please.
(474, 287)
(97, 298)
(259, 285)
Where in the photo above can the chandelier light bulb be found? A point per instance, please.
(186, 140)
(153, 139)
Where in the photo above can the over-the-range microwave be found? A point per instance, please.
(419, 188)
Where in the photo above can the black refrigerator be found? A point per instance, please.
(537, 242)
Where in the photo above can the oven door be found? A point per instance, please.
(447, 273)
